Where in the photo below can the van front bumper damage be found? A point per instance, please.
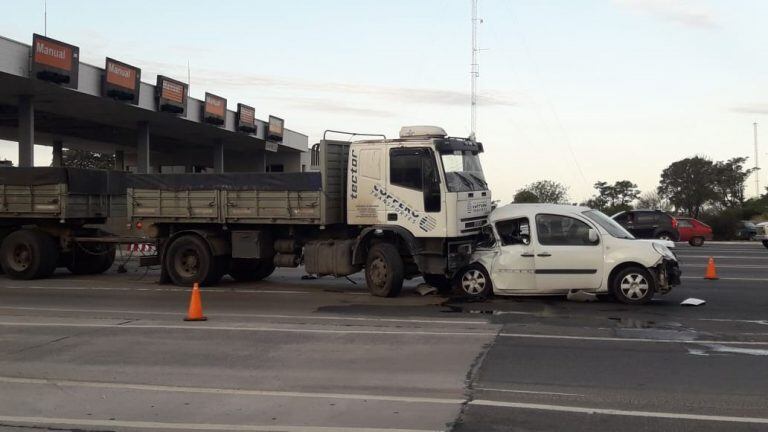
(667, 273)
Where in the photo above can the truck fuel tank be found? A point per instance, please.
(329, 257)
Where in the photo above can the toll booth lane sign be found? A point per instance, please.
(214, 109)
(246, 119)
(275, 129)
(55, 61)
(121, 81)
(171, 95)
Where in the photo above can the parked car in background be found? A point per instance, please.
(551, 249)
(762, 233)
(693, 231)
(746, 230)
(648, 224)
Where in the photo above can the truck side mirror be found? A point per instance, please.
(592, 236)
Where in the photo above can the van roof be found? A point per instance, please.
(519, 209)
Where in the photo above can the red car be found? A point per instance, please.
(693, 231)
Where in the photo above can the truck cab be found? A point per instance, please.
(424, 187)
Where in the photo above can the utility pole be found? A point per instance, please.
(475, 73)
(45, 17)
(757, 165)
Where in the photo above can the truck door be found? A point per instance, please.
(367, 173)
(565, 258)
(413, 198)
(513, 267)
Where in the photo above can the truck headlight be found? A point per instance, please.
(664, 251)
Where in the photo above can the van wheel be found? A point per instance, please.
(474, 282)
(696, 241)
(28, 254)
(251, 270)
(633, 285)
(384, 270)
(189, 260)
(442, 283)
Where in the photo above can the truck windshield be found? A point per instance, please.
(463, 171)
(608, 224)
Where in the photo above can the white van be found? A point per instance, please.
(543, 249)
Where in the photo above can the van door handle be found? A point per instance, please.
(526, 254)
(544, 254)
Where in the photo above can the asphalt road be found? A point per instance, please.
(111, 353)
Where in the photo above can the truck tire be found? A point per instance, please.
(188, 260)
(765, 243)
(384, 270)
(28, 254)
(251, 270)
(442, 283)
(94, 260)
(633, 285)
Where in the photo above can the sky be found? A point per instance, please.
(574, 91)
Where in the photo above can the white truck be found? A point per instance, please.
(397, 208)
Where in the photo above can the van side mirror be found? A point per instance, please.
(592, 236)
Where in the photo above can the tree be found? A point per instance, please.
(547, 191)
(613, 198)
(729, 177)
(86, 159)
(687, 184)
(525, 196)
(652, 200)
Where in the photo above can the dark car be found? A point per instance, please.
(648, 224)
(746, 230)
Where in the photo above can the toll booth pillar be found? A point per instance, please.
(26, 131)
(119, 160)
(218, 156)
(58, 153)
(142, 148)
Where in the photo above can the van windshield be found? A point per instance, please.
(608, 224)
(463, 171)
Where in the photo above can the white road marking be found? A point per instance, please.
(226, 391)
(314, 317)
(760, 322)
(617, 412)
(757, 266)
(618, 339)
(527, 392)
(212, 290)
(730, 278)
(762, 256)
(191, 426)
(193, 326)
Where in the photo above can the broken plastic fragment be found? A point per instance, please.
(581, 296)
(426, 289)
(691, 301)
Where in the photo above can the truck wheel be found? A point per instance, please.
(384, 270)
(95, 260)
(442, 283)
(28, 254)
(189, 260)
(474, 282)
(251, 270)
(633, 285)
(765, 243)
(696, 241)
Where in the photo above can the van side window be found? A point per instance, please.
(514, 231)
(557, 230)
(405, 167)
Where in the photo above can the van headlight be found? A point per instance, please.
(664, 251)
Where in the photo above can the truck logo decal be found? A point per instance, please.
(425, 222)
(353, 174)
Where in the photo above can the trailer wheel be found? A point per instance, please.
(251, 270)
(189, 260)
(94, 260)
(384, 270)
(28, 254)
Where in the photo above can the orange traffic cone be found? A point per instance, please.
(711, 272)
(195, 312)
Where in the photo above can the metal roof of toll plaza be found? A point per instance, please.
(84, 118)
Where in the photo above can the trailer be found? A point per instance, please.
(49, 218)
(397, 208)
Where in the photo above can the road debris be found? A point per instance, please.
(581, 296)
(426, 289)
(692, 301)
